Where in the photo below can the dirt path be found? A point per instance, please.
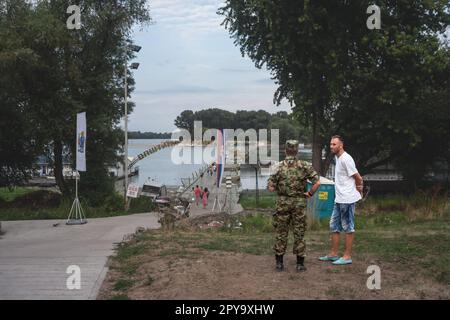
(200, 274)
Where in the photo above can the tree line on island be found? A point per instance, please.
(149, 135)
(215, 118)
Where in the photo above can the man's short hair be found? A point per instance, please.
(336, 136)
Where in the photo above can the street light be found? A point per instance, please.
(134, 66)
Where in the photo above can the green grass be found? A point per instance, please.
(11, 194)
(120, 297)
(123, 284)
(429, 204)
(129, 251)
(427, 252)
(248, 200)
(110, 209)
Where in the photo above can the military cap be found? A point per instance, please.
(292, 145)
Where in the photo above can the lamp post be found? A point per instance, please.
(257, 168)
(134, 66)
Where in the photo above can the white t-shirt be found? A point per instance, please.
(343, 181)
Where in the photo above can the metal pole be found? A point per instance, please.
(257, 187)
(76, 196)
(76, 185)
(126, 128)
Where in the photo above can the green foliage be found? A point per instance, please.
(52, 73)
(386, 91)
(148, 135)
(123, 284)
(120, 297)
(142, 205)
(257, 223)
(288, 127)
(266, 200)
(42, 205)
(8, 194)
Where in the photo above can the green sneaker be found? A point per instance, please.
(342, 261)
(327, 258)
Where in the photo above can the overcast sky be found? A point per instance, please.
(189, 61)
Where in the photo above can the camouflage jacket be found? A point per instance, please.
(291, 177)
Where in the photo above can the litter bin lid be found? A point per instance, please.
(324, 180)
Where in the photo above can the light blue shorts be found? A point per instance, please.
(343, 218)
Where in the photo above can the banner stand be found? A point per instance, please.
(217, 203)
(76, 215)
(220, 167)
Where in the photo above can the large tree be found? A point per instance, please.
(19, 140)
(322, 54)
(76, 71)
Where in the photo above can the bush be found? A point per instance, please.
(3, 203)
(114, 202)
(141, 205)
(37, 200)
(97, 187)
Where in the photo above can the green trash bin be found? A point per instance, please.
(321, 204)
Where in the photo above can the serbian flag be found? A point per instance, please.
(220, 156)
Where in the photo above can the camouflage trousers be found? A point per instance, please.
(291, 212)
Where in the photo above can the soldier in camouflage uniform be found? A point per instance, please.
(289, 181)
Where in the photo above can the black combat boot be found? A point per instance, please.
(300, 264)
(279, 260)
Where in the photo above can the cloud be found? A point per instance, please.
(187, 16)
(175, 90)
(234, 70)
(264, 81)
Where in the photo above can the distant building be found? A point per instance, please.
(44, 167)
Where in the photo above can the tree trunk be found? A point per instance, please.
(317, 146)
(58, 166)
(327, 162)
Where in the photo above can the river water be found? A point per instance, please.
(160, 168)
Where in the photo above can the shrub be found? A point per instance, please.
(37, 200)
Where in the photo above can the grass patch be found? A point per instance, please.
(31, 210)
(424, 247)
(123, 284)
(129, 250)
(422, 205)
(248, 200)
(11, 194)
(119, 297)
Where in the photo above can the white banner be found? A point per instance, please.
(133, 190)
(81, 141)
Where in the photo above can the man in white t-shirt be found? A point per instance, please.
(349, 186)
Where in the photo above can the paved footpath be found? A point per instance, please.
(222, 195)
(35, 255)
